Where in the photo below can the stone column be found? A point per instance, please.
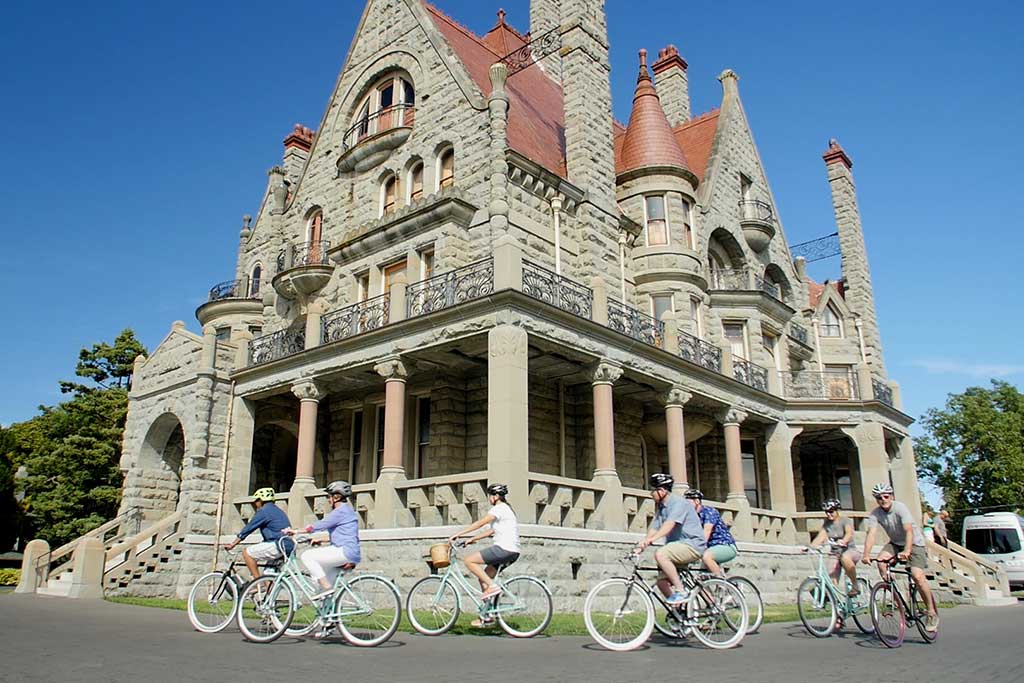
(309, 394)
(742, 526)
(508, 415)
(388, 511)
(497, 108)
(610, 514)
(239, 461)
(675, 399)
(904, 476)
(31, 577)
(314, 314)
(873, 463)
(778, 451)
(87, 571)
(600, 311)
(398, 296)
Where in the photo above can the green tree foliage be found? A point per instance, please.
(974, 449)
(72, 451)
(10, 511)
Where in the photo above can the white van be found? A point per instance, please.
(998, 536)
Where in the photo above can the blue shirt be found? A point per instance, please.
(270, 520)
(719, 532)
(343, 523)
(687, 528)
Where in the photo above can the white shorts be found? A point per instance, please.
(264, 552)
(324, 562)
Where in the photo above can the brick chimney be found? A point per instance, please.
(296, 151)
(672, 84)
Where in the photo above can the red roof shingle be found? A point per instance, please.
(648, 141)
(696, 137)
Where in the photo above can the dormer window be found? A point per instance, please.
(415, 182)
(389, 104)
(831, 322)
(388, 195)
(656, 220)
(446, 168)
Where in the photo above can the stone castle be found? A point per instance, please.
(470, 272)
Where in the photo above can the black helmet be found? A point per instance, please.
(339, 488)
(831, 504)
(694, 494)
(497, 490)
(660, 480)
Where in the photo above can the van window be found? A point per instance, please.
(993, 541)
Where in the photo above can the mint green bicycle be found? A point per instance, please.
(522, 609)
(823, 608)
(366, 608)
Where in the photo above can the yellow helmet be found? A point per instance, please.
(265, 494)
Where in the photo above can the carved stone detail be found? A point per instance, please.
(606, 372)
(308, 391)
(677, 396)
(506, 342)
(392, 369)
(733, 416)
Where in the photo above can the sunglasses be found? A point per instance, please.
(884, 496)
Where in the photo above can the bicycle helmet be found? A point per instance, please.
(660, 480)
(831, 505)
(497, 490)
(694, 494)
(339, 488)
(265, 494)
(879, 489)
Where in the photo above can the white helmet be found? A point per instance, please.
(340, 488)
(882, 488)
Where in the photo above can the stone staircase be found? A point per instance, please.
(962, 576)
(159, 546)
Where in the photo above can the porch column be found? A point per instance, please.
(388, 511)
(508, 414)
(781, 483)
(239, 461)
(610, 513)
(904, 476)
(675, 399)
(873, 462)
(300, 511)
(742, 526)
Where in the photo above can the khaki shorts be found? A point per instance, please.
(918, 556)
(680, 553)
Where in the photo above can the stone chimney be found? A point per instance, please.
(858, 293)
(296, 151)
(672, 84)
(545, 15)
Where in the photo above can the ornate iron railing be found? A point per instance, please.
(769, 288)
(276, 345)
(303, 254)
(756, 210)
(882, 391)
(749, 373)
(537, 49)
(798, 332)
(550, 287)
(731, 279)
(396, 116)
(235, 289)
(830, 385)
(633, 323)
(448, 289)
(698, 351)
(355, 319)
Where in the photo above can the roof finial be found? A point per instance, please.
(643, 74)
(501, 15)
(643, 58)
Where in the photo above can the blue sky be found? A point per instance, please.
(139, 133)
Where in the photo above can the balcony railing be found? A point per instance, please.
(451, 288)
(798, 332)
(698, 351)
(355, 319)
(756, 210)
(303, 254)
(769, 288)
(882, 391)
(631, 322)
(749, 373)
(550, 287)
(235, 289)
(809, 385)
(276, 345)
(396, 116)
(730, 279)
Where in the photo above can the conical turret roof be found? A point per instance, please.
(649, 141)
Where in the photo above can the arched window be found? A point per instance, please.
(315, 227)
(446, 168)
(831, 322)
(388, 195)
(254, 280)
(415, 182)
(389, 104)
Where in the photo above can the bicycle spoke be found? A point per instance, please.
(432, 606)
(369, 610)
(619, 614)
(816, 608)
(524, 607)
(718, 614)
(212, 602)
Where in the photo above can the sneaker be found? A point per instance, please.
(491, 592)
(677, 598)
(931, 623)
(483, 622)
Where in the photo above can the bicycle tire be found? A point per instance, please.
(433, 596)
(888, 615)
(814, 601)
(219, 587)
(712, 608)
(385, 604)
(618, 605)
(527, 622)
(269, 605)
(862, 607)
(920, 614)
(755, 605)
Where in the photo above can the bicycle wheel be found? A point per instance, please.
(861, 604)
(887, 614)
(432, 606)
(619, 614)
(718, 614)
(816, 608)
(212, 602)
(524, 607)
(369, 608)
(755, 606)
(265, 609)
(920, 608)
(305, 620)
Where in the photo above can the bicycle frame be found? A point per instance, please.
(292, 576)
(841, 599)
(909, 608)
(687, 577)
(454, 576)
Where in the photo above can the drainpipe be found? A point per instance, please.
(860, 339)
(622, 266)
(556, 209)
(817, 344)
(223, 477)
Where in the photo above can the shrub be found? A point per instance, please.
(10, 577)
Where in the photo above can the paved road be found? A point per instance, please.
(54, 639)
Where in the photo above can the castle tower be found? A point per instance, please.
(545, 15)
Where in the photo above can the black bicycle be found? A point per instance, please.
(213, 600)
(890, 611)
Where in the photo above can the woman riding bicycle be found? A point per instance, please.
(839, 530)
(721, 545)
(324, 564)
(505, 529)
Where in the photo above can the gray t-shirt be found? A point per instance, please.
(688, 528)
(836, 530)
(940, 527)
(892, 522)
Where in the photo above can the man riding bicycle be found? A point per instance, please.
(721, 546)
(324, 564)
(271, 521)
(839, 530)
(896, 520)
(677, 522)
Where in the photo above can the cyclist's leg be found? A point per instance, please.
(918, 562)
(673, 555)
(260, 552)
(318, 560)
(887, 553)
(250, 564)
(849, 560)
(716, 556)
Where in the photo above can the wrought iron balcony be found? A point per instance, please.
(698, 351)
(355, 319)
(633, 323)
(370, 139)
(303, 268)
(550, 287)
(235, 289)
(303, 254)
(882, 391)
(810, 385)
(798, 332)
(756, 210)
(448, 289)
(769, 288)
(276, 345)
(733, 279)
(749, 373)
(758, 223)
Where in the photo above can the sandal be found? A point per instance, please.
(482, 623)
(491, 592)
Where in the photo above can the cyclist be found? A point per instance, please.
(323, 564)
(721, 545)
(839, 529)
(677, 522)
(896, 520)
(271, 521)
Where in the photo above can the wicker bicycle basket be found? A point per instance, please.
(439, 555)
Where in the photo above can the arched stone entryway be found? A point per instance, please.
(826, 465)
(161, 462)
(274, 450)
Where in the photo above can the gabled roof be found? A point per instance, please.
(648, 141)
(816, 291)
(536, 124)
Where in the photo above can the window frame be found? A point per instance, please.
(362, 285)
(425, 254)
(418, 443)
(687, 224)
(384, 207)
(752, 459)
(661, 295)
(411, 194)
(647, 220)
(368, 111)
(380, 416)
(443, 181)
(387, 271)
(355, 438)
(697, 305)
(742, 324)
(255, 279)
(825, 328)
